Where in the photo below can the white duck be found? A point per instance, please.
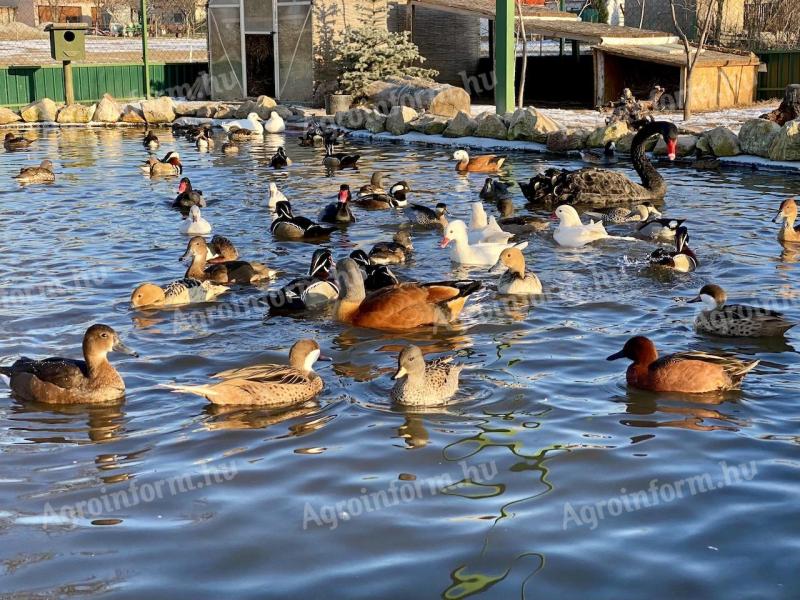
(574, 234)
(275, 123)
(195, 224)
(483, 229)
(251, 123)
(462, 252)
(275, 195)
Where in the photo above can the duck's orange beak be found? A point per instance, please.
(445, 240)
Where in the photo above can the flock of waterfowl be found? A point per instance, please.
(366, 293)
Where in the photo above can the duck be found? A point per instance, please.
(312, 291)
(788, 213)
(521, 224)
(494, 189)
(187, 196)
(619, 215)
(705, 162)
(399, 307)
(232, 271)
(270, 385)
(603, 187)
(170, 165)
(683, 260)
(375, 276)
(392, 253)
(375, 185)
(483, 229)
(686, 372)
(736, 320)
(205, 141)
(462, 252)
(313, 135)
(195, 224)
(41, 174)
(229, 147)
(339, 211)
(420, 383)
(275, 123)
(515, 280)
(608, 156)
(394, 198)
(423, 216)
(150, 141)
(659, 228)
(572, 233)
(252, 124)
(338, 160)
(181, 291)
(242, 135)
(221, 249)
(66, 381)
(275, 195)
(486, 163)
(279, 160)
(12, 142)
(289, 227)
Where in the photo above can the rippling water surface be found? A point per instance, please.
(547, 478)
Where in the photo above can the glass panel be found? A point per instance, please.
(258, 16)
(295, 53)
(225, 47)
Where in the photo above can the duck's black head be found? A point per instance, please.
(284, 210)
(441, 209)
(321, 263)
(360, 257)
(681, 238)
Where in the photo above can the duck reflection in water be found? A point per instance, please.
(64, 423)
(693, 413)
(218, 417)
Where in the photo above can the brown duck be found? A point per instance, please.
(234, 271)
(41, 174)
(12, 142)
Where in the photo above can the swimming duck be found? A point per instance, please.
(705, 162)
(279, 160)
(392, 253)
(271, 386)
(398, 307)
(395, 198)
(607, 157)
(41, 174)
(232, 271)
(375, 276)
(615, 216)
(487, 163)
(659, 228)
(736, 320)
(424, 384)
(242, 135)
(494, 190)
(67, 381)
(275, 195)
(289, 227)
(205, 141)
(167, 166)
(181, 291)
(375, 185)
(195, 224)
(483, 229)
(307, 292)
(518, 224)
(682, 260)
(252, 124)
(687, 372)
(187, 196)
(313, 135)
(275, 123)
(427, 217)
(338, 160)
(229, 147)
(150, 141)
(221, 249)
(339, 211)
(12, 142)
(462, 252)
(515, 280)
(788, 213)
(572, 233)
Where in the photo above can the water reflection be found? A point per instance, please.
(68, 424)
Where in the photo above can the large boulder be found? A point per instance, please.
(8, 116)
(207, 111)
(107, 110)
(76, 113)
(608, 133)
(184, 109)
(531, 125)
(397, 123)
(421, 94)
(786, 145)
(262, 106)
(355, 118)
(132, 114)
(223, 112)
(685, 147)
(429, 124)
(756, 136)
(722, 142)
(491, 125)
(564, 140)
(37, 112)
(159, 110)
(284, 112)
(461, 125)
(376, 122)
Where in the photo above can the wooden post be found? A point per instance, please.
(504, 56)
(69, 91)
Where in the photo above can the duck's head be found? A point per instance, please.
(283, 210)
(712, 296)
(511, 259)
(377, 179)
(441, 209)
(410, 361)
(147, 294)
(455, 231)
(681, 239)
(670, 134)
(460, 156)
(100, 339)
(568, 216)
(403, 238)
(197, 247)
(9, 137)
(304, 354)
(787, 211)
(361, 257)
(350, 280)
(401, 188)
(652, 211)
(184, 185)
(194, 213)
(46, 164)
(281, 152)
(638, 349)
(172, 158)
(506, 207)
(321, 263)
(344, 193)
(255, 118)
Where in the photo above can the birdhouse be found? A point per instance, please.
(67, 41)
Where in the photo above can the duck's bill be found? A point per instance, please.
(778, 218)
(324, 358)
(123, 349)
(401, 372)
(695, 299)
(616, 356)
(445, 240)
(497, 268)
(184, 256)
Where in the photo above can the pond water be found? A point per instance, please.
(546, 478)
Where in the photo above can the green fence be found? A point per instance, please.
(783, 68)
(22, 85)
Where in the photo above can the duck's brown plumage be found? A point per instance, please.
(41, 174)
(234, 271)
(788, 212)
(12, 142)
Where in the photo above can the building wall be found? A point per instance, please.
(723, 87)
(729, 14)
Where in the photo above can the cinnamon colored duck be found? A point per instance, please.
(232, 271)
(175, 293)
(486, 163)
(287, 226)
(787, 213)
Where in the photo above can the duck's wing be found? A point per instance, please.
(63, 372)
(768, 319)
(269, 373)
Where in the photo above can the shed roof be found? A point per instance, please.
(486, 8)
(674, 55)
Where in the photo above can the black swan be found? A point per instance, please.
(602, 187)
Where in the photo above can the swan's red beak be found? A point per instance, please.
(445, 240)
(343, 196)
(671, 148)
(182, 187)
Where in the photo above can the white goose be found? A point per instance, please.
(464, 253)
(195, 224)
(275, 123)
(483, 229)
(574, 234)
(252, 123)
(275, 195)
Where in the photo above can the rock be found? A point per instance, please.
(756, 136)
(397, 123)
(355, 118)
(531, 125)
(8, 116)
(608, 133)
(37, 112)
(786, 145)
(490, 125)
(207, 111)
(159, 110)
(223, 112)
(76, 113)
(702, 145)
(567, 139)
(264, 106)
(284, 111)
(429, 124)
(298, 112)
(437, 98)
(685, 147)
(107, 110)
(132, 114)
(184, 109)
(460, 125)
(722, 142)
(376, 122)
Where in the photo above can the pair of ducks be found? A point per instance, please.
(255, 125)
